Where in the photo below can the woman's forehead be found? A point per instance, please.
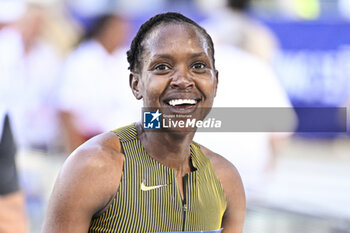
(169, 35)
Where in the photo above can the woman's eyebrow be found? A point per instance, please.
(171, 58)
(166, 56)
(198, 54)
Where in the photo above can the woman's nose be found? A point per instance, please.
(181, 80)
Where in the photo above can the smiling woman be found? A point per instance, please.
(178, 74)
(135, 180)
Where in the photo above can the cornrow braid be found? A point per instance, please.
(136, 48)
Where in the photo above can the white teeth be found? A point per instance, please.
(175, 102)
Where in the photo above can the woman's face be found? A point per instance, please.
(176, 73)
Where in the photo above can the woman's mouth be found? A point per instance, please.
(179, 102)
(182, 106)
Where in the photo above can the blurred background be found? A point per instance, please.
(64, 79)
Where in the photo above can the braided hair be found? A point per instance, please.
(136, 48)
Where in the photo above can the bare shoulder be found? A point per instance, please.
(88, 181)
(99, 161)
(101, 150)
(222, 167)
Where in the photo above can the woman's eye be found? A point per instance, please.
(199, 66)
(162, 67)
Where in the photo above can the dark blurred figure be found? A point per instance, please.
(233, 25)
(12, 200)
(92, 80)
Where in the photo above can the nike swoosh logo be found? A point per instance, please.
(148, 188)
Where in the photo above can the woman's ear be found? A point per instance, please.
(134, 82)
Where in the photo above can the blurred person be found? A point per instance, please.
(28, 67)
(245, 50)
(92, 84)
(12, 200)
(233, 25)
(138, 180)
(247, 82)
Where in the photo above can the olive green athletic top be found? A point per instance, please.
(149, 200)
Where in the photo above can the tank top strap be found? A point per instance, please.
(126, 133)
(199, 159)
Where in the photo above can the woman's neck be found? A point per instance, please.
(171, 149)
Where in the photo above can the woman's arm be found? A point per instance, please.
(87, 182)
